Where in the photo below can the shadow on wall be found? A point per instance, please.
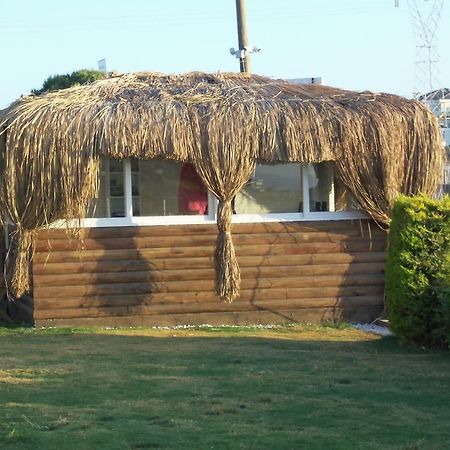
(118, 277)
(12, 311)
(102, 276)
(4, 315)
(322, 272)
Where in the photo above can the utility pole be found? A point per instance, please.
(241, 15)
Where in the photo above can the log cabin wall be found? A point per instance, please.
(3, 305)
(164, 275)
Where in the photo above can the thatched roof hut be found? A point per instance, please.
(50, 145)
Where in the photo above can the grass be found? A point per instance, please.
(220, 388)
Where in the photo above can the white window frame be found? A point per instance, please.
(130, 220)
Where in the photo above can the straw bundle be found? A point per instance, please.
(50, 145)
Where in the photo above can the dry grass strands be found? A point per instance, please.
(50, 145)
(228, 277)
(22, 247)
(388, 146)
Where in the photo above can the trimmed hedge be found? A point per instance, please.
(418, 271)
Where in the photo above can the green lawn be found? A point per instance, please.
(287, 388)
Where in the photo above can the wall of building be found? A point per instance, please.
(446, 136)
(164, 275)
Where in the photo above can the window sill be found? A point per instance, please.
(195, 220)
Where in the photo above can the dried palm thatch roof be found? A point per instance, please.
(50, 145)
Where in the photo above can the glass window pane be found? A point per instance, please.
(343, 199)
(272, 189)
(134, 165)
(159, 188)
(168, 188)
(116, 198)
(326, 190)
(320, 179)
(110, 201)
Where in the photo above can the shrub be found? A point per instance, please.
(418, 271)
(56, 82)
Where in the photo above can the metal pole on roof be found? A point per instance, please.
(241, 15)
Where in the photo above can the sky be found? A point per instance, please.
(352, 44)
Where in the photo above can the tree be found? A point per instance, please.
(78, 77)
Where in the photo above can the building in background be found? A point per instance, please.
(439, 103)
(309, 80)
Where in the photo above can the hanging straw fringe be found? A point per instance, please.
(19, 259)
(227, 268)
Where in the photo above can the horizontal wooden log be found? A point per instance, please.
(121, 265)
(205, 285)
(129, 265)
(207, 307)
(194, 240)
(144, 277)
(313, 315)
(118, 243)
(133, 231)
(151, 275)
(365, 228)
(196, 252)
(246, 295)
(143, 254)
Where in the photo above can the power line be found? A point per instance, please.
(425, 16)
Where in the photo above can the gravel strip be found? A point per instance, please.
(376, 329)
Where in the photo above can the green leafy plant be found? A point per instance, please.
(418, 271)
(78, 77)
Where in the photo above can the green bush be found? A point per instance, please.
(57, 82)
(418, 271)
